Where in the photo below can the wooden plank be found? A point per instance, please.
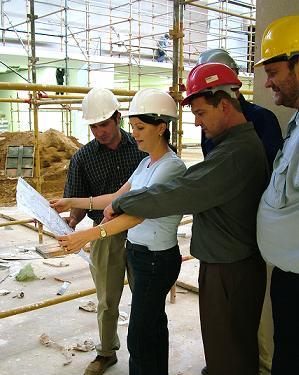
(50, 251)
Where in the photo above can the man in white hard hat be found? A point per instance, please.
(268, 130)
(278, 214)
(102, 166)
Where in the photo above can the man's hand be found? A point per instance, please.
(61, 205)
(109, 213)
(71, 221)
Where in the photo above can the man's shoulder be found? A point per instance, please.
(254, 110)
(128, 138)
(243, 140)
(87, 149)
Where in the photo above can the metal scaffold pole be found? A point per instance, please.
(66, 44)
(175, 58)
(180, 85)
(33, 59)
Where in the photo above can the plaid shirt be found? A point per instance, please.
(96, 170)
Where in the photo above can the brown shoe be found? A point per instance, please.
(100, 364)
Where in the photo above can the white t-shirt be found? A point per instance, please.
(156, 234)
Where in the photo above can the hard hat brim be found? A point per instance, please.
(98, 119)
(260, 63)
(186, 101)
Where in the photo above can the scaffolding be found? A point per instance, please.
(120, 38)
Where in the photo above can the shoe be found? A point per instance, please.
(100, 364)
(204, 371)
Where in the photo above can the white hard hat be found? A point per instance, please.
(99, 105)
(153, 102)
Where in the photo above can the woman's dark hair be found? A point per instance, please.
(156, 120)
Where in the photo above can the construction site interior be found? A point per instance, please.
(92, 43)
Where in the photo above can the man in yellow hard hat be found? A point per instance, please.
(278, 214)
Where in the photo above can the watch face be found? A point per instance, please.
(103, 232)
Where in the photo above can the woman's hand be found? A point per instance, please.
(73, 242)
(61, 205)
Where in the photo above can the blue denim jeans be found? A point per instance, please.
(154, 273)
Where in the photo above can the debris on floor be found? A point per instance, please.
(62, 280)
(123, 318)
(4, 264)
(18, 252)
(89, 306)
(4, 276)
(26, 274)
(19, 295)
(57, 264)
(87, 346)
(4, 292)
(50, 250)
(63, 289)
(66, 352)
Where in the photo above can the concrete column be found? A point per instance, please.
(266, 12)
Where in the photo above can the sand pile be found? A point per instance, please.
(56, 150)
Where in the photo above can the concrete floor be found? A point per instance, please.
(20, 350)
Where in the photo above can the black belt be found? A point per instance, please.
(145, 249)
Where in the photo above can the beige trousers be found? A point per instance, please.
(109, 260)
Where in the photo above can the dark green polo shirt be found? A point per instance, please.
(222, 193)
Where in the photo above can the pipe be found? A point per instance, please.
(56, 88)
(10, 100)
(66, 43)
(32, 59)
(175, 58)
(27, 225)
(191, 2)
(59, 97)
(17, 222)
(121, 99)
(57, 101)
(83, 293)
(246, 92)
(46, 303)
(49, 302)
(180, 71)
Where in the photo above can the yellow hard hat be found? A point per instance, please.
(280, 39)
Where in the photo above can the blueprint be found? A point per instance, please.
(35, 205)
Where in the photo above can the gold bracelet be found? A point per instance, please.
(90, 204)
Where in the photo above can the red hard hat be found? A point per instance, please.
(208, 77)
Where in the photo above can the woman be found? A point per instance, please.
(152, 249)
